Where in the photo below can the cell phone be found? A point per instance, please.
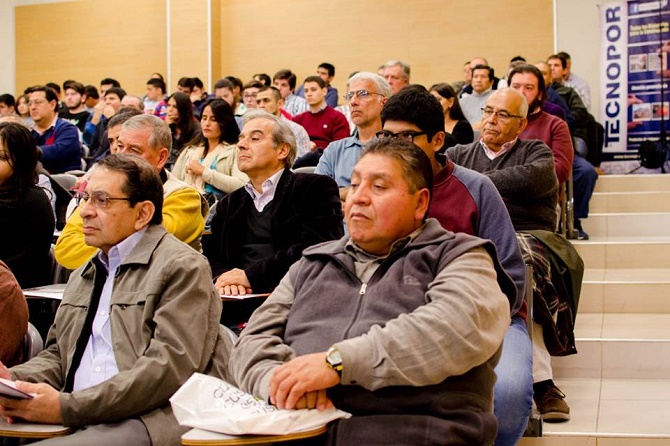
(8, 389)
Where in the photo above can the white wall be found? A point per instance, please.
(8, 64)
(578, 33)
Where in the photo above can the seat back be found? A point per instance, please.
(62, 184)
(32, 343)
(567, 217)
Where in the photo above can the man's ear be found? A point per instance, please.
(283, 151)
(163, 156)
(438, 141)
(145, 212)
(422, 204)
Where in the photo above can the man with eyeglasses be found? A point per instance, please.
(366, 94)
(184, 210)
(524, 173)
(57, 138)
(124, 338)
(467, 201)
(249, 93)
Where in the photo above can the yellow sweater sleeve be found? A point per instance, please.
(71, 249)
(182, 216)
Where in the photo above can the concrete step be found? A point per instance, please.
(646, 201)
(621, 346)
(625, 291)
(625, 252)
(632, 183)
(647, 224)
(611, 412)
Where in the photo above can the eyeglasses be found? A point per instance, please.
(100, 200)
(502, 116)
(360, 94)
(249, 95)
(407, 135)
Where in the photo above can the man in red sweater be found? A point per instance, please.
(323, 123)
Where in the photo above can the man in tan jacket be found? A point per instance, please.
(124, 338)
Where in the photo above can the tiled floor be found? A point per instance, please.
(615, 407)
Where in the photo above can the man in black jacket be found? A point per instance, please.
(260, 230)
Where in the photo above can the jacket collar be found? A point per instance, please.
(143, 250)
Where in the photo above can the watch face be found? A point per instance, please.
(334, 357)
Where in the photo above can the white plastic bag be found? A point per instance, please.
(212, 404)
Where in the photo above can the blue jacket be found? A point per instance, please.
(61, 149)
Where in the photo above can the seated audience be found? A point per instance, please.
(482, 87)
(401, 323)
(154, 101)
(259, 231)
(469, 66)
(23, 110)
(397, 75)
(270, 100)
(7, 105)
(57, 138)
(92, 98)
(182, 124)
(124, 339)
(454, 119)
(94, 134)
(13, 318)
(183, 209)
(26, 216)
(366, 95)
(323, 123)
(467, 201)
(263, 79)
(524, 173)
(209, 163)
(325, 71)
(249, 93)
(74, 111)
(199, 96)
(284, 81)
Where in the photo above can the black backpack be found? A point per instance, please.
(653, 154)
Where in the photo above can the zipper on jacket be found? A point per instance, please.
(362, 290)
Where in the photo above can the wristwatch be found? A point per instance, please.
(334, 360)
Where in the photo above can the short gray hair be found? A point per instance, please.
(160, 137)
(523, 109)
(281, 132)
(381, 85)
(405, 67)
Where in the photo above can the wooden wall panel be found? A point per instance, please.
(188, 40)
(436, 37)
(89, 40)
(92, 39)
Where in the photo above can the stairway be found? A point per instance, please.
(618, 386)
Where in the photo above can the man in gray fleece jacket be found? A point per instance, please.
(400, 323)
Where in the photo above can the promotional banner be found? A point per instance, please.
(634, 75)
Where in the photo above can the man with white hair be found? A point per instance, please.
(366, 94)
(396, 74)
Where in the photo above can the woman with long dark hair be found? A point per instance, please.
(26, 217)
(454, 119)
(182, 124)
(209, 163)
